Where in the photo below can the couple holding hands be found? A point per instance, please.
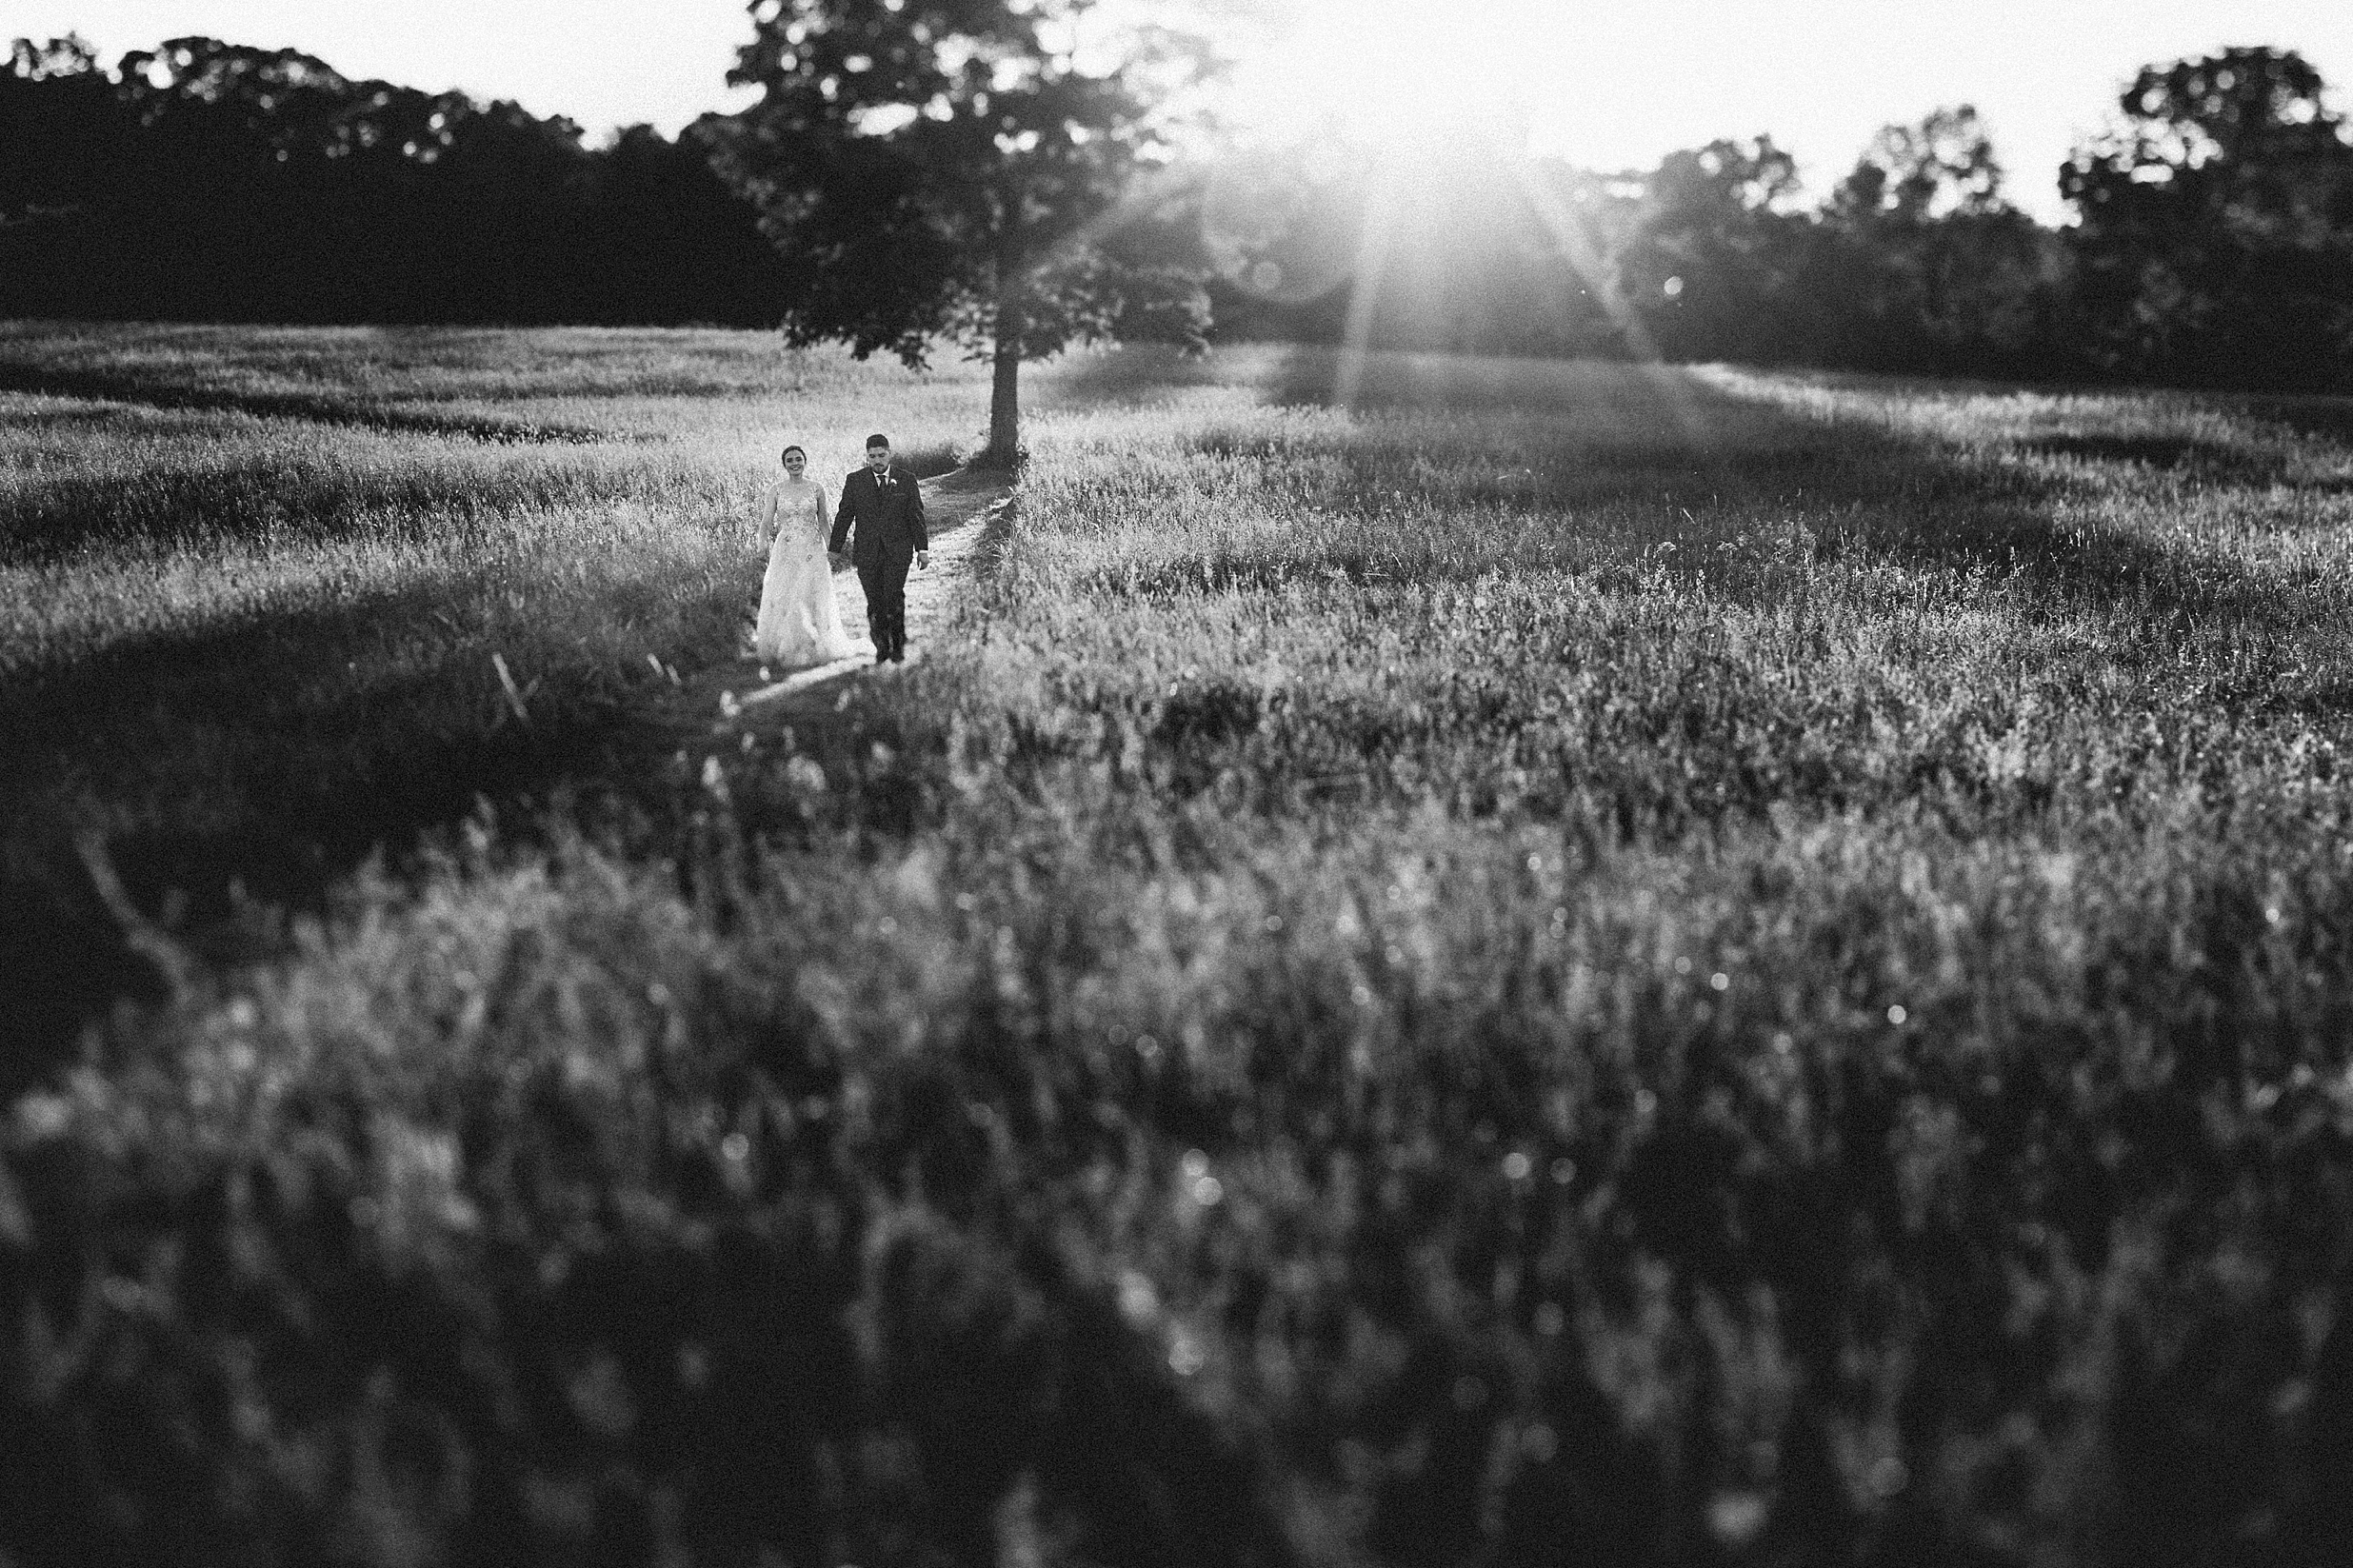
(883, 507)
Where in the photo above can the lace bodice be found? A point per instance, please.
(795, 508)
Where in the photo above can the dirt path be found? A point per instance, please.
(740, 698)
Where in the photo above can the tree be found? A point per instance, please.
(1924, 263)
(204, 180)
(61, 133)
(957, 169)
(69, 56)
(1943, 165)
(1710, 256)
(2216, 232)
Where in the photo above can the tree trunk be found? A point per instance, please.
(1004, 407)
(1003, 449)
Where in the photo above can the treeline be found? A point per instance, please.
(1915, 262)
(2213, 240)
(205, 181)
(2213, 243)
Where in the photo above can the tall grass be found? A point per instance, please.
(257, 589)
(1565, 964)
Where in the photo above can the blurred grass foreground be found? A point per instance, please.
(1541, 963)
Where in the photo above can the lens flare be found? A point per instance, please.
(1280, 223)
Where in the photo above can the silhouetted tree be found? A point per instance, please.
(1710, 259)
(953, 167)
(1940, 166)
(61, 132)
(2216, 232)
(1924, 263)
(205, 180)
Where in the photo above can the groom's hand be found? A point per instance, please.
(923, 559)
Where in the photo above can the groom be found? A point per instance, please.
(887, 505)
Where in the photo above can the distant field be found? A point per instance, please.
(1555, 962)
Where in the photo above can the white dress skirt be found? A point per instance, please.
(799, 624)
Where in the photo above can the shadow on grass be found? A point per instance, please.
(315, 408)
(53, 517)
(1137, 375)
(245, 789)
(935, 460)
(2329, 418)
(2157, 451)
(2189, 457)
(262, 756)
(1669, 458)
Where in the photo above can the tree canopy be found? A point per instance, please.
(2216, 232)
(1931, 264)
(205, 180)
(960, 169)
(1943, 165)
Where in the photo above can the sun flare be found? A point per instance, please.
(1367, 134)
(1387, 73)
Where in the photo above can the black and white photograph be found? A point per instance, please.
(1176, 783)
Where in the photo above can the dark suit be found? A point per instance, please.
(887, 515)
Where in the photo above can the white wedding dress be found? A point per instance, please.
(799, 624)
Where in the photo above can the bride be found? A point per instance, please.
(799, 622)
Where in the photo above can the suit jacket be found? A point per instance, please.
(889, 517)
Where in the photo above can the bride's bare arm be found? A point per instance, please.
(820, 512)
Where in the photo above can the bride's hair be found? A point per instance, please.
(789, 450)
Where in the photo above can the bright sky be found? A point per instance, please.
(1607, 86)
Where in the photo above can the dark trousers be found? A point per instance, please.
(885, 582)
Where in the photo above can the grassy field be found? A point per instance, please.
(1558, 963)
(256, 588)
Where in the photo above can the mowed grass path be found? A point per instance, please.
(1562, 963)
